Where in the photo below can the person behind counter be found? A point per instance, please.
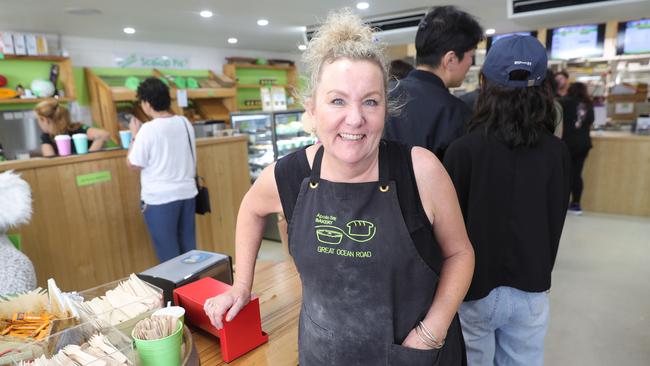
(54, 119)
(578, 118)
(512, 179)
(164, 150)
(376, 232)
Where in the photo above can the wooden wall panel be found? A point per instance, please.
(617, 175)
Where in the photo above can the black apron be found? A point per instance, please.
(364, 285)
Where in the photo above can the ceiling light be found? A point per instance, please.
(129, 30)
(206, 13)
(262, 22)
(363, 5)
(232, 40)
(490, 31)
(302, 47)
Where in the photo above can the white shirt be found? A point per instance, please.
(162, 150)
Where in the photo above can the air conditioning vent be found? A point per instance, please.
(387, 22)
(524, 8)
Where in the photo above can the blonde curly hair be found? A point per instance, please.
(342, 35)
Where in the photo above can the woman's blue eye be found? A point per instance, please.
(337, 101)
(371, 102)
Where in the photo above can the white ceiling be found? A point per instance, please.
(178, 22)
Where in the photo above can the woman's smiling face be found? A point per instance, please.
(349, 108)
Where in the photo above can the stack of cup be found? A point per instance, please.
(63, 145)
(80, 143)
(125, 137)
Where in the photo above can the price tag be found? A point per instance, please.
(181, 97)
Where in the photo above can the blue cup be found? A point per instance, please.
(80, 143)
(125, 137)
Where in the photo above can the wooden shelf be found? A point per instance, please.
(35, 58)
(265, 67)
(32, 100)
(257, 86)
(250, 108)
(207, 93)
(123, 94)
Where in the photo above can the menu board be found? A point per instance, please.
(492, 40)
(577, 41)
(497, 37)
(634, 37)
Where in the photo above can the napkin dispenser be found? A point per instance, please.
(187, 268)
(238, 336)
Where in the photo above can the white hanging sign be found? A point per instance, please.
(136, 59)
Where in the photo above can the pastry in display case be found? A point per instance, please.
(271, 135)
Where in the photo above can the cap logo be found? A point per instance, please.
(524, 63)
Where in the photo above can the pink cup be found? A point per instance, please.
(63, 144)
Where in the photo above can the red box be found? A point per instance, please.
(237, 337)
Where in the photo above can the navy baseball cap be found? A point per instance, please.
(516, 53)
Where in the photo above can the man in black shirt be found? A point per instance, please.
(430, 116)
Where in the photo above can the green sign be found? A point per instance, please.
(93, 178)
(2, 56)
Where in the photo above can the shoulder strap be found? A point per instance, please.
(189, 141)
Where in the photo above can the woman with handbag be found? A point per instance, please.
(163, 149)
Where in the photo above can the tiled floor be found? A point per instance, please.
(600, 298)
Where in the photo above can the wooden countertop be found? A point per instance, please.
(278, 286)
(619, 135)
(98, 155)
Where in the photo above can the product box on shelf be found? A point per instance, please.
(119, 349)
(31, 45)
(123, 313)
(19, 44)
(6, 43)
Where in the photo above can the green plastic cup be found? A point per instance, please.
(161, 352)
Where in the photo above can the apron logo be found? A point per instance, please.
(359, 231)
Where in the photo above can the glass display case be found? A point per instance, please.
(271, 135)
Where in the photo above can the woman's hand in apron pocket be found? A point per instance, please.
(231, 301)
(413, 341)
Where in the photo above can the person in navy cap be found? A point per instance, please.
(512, 179)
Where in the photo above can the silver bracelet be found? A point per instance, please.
(429, 335)
(424, 340)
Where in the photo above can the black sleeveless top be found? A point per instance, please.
(292, 169)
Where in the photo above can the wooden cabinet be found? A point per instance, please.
(250, 78)
(24, 69)
(109, 95)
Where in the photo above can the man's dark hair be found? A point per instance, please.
(399, 69)
(444, 29)
(516, 116)
(579, 92)
(563, 73)
(156, 93)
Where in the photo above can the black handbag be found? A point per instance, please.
(202, 199)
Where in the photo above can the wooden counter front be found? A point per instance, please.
(617, 174)
(86, 235)
(278, 286)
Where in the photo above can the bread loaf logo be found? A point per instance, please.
(359, 231)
